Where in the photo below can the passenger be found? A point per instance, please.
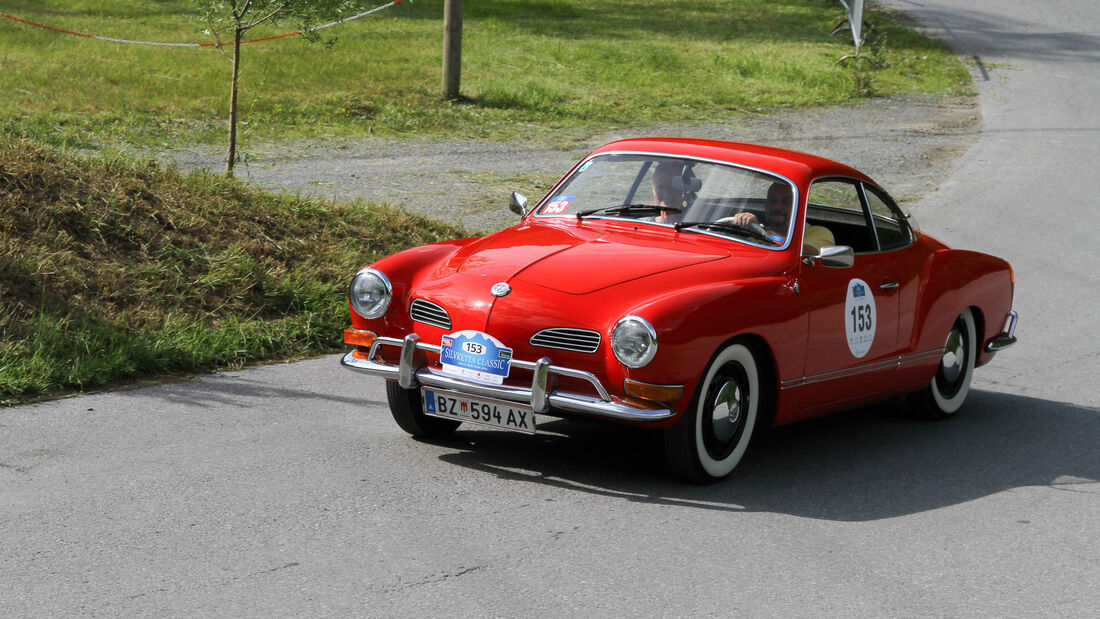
(667, 192)
(777, 217)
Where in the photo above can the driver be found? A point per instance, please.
(777, 216)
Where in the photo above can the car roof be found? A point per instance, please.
(797, 166)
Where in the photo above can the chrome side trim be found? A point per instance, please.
(536, 396)
(861, 369)
(1008, 335)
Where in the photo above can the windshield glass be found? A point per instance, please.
(703, 196)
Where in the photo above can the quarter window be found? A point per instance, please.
(890, 226)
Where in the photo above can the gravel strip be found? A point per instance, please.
(909, 144)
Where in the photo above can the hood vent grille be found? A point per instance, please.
(564, 338)
(430, 314)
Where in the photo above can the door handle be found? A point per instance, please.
(888, 285)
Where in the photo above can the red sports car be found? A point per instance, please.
(706, 289)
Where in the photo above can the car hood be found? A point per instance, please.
(577, 260)
(571, 276)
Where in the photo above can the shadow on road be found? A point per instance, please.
(995, 33)
(873, 463)
(242, 390)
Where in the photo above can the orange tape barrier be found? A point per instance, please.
(229, 44)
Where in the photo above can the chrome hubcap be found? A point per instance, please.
(726, 410)
(954, 355)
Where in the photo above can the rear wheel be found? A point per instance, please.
(944, 396)
(712, 436)
(407, 411)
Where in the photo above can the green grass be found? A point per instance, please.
(532, 69)
(112, 269)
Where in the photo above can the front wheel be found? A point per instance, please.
(407, 411)
(711, 438)
(944, 396)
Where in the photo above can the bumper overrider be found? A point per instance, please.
(538, 396)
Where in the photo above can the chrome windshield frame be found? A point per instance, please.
(580, 167)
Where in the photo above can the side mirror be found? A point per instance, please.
(836, 256)
(518, 204)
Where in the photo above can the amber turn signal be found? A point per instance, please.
(651, 392)
(359, 337)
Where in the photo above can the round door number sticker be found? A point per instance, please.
(860, 320)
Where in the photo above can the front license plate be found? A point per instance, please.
(493, 413)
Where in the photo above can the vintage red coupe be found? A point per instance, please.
(707, 289)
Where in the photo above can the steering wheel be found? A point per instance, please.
(754, 226)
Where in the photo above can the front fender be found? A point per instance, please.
(403, 270)
(693, 324)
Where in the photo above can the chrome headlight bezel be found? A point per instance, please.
(380, 288)
(634, 341)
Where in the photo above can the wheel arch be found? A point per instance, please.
(979, 329)
(769, 383)
(957, 280)
(766, 369)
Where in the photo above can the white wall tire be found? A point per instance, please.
(946, 393)
(711, 438)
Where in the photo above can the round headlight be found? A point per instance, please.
(370, 293)
(634, 341)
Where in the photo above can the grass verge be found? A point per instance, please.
(532, 69)
(112, 269)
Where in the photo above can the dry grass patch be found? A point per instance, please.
(111, 268)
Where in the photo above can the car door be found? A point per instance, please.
(852, 341)
(895, 239)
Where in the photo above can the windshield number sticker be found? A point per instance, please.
(558, 205)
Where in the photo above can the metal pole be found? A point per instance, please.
(452, 47)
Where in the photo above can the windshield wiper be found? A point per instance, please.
(637, 210)
(753, 232)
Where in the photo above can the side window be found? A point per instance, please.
(835, 204)
(890, 226)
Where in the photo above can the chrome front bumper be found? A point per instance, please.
(536, 396)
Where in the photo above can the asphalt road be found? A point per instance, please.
(286, 489)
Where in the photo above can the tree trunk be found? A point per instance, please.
(452, 47)
(231, 155)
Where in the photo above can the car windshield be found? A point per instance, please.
(685, 194)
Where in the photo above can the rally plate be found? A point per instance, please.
(476, 355)
(494, 413)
